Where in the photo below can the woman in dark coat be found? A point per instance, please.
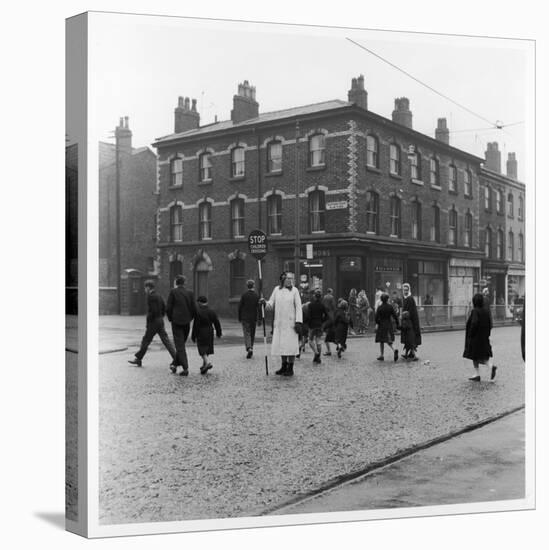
(409, 304)
(385, 314)
(342, 320)
(203, 332)
(477, 338)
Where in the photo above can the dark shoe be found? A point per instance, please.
(298, 356)
(328, 353)
(475, 378)
(282, 369)
(184, 372)
(249, 354)
(339, 353)
(289, 370)
(396, 356)
(136, 362)
(173, 368)
(493, 373)
(381, 358)
(415, 358)
(205, 368)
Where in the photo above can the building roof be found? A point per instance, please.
(504, 178)
(107, 153)
(263, 117)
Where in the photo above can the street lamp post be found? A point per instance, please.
(297, 243)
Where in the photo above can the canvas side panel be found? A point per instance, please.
(75, 274)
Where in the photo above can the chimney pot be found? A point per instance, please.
(357, 94)
(512, 166)
(441, 132)
(493, 157)
(184, 118)
(245, 105)
(402, 114)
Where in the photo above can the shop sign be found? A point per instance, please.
(464, 262)
(387, 268)
(336, 205)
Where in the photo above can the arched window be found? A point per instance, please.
(237, 276)
(488, 242)
(452, 178)
(274, 156)
(395, 216)
(372, 212)
(274, 214)
(452, 227)
(521, 208)
(510, 205)
(317, 211)
(468, 235)
(499, 244)
(205, 164)
(511, 246)
(176, 172)
(237, 217)
(435, 224)
(434, 174)
(520, 248)
(394, 159)
(204, 221)
(176, 223)
(416, 220)
(372, 151)
(238, 163)
(415, 165)
(317, 150)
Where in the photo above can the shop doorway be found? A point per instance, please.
(350, 275)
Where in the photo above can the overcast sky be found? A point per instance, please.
(139, 65)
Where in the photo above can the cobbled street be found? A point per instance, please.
(237, 442)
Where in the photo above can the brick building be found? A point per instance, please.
(136, 173)
(380, 202)
(502, 217)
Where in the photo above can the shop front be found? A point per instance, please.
(494, 279)
(463, 281)
(516, 288)
(427, 278)
(388, 274)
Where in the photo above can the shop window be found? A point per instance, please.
(452, 227)
(205, 167)
(372, 151)
(237, 218)
(237, 276)
(317, 150)
(274, 156)
(317, 211)
(205, 221)
(238, 162)
(435, 224)
(176, 223)
(395, 217)
(416, 220)
(176, 172)
(394, 159)
(372, 212)
(274, 215)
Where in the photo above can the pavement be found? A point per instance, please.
(236, 442)
(482, 465)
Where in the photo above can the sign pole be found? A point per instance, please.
(263, 318)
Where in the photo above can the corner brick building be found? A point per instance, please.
(380, 202)
(138, 204)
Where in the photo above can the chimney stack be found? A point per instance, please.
(357, 94)
(245, 106)
(186, 118)
(402, 114)
(493, 157)
(441, 132)
(512, 167)
(123, 136)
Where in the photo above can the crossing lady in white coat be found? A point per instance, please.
(288, 319)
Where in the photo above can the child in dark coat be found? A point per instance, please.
(407, 335)
(342, 320)
(203, 332)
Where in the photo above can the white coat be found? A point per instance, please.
(287, 312)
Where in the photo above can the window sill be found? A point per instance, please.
(318, 232)
(205, 182)
(237, 178)
(274, 173)
(394, 236)
(205, 239)
(239, 237)
(396, 176)
(470, 197)
(175, 186)
(371, 233)
(417, 182)
(317, 168)
(452, 192)
(437, 187)
(373, 169)
(510, 217)
(275, 234)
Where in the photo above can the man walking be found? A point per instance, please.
(155, 325)
(247, 316)
(181, 310)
